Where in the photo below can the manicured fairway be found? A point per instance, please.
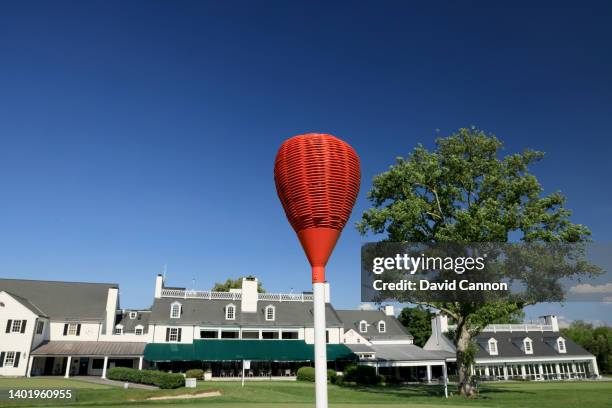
(298, 395)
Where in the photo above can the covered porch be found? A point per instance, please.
(265, 359)
(70, 358)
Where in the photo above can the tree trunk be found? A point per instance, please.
(464, 362)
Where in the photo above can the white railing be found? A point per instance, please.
(200, 294)
(285, 297)
(517, 327)
(207, 294)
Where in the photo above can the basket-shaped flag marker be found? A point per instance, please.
(317, 179)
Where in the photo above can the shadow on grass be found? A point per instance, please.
(485, 392)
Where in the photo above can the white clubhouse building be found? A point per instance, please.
(74, 328)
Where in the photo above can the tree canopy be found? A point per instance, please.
(235, 284)
(463, 191)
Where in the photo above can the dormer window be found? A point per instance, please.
(270, 313)
(133, 315)
(382, 327)
(363, 326)
(119, 329)
(561, 345)
(175, 310)
(492, 347)
(139, 330)
(230, 312)
(528, 346)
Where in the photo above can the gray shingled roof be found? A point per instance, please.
(129, 325)
(89, 348)
(394, 329)
(508, 345)
(63, 300)
(212, 312)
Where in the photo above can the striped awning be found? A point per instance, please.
(89, 348)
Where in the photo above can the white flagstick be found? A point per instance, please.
(320, 349)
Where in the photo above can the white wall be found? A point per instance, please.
(17, 342)
(89, 332)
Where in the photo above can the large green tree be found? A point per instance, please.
(464, 191)
(597, 340)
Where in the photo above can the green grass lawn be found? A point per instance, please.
(298, 395)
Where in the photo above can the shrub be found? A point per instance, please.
(306, 373)
(150, 377)
(195, 373)
(332, 376)
(362, 375)
(350, 373)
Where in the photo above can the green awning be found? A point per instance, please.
(235, 350)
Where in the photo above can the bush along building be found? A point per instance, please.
(71, 328)
(519, 351)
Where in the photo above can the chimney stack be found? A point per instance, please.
(159, 285)
(112, 303)
(552, 321)
(249, 295)
(389, 310)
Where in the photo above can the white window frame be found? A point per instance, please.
(561, 346)
(137, 328)
(363, 326)
(133, 315)
(175, 307)
(493, 347)
(384, 326)
(171, 334)
(269, 309)
(118, 329)
(12, 355)
(16, 326)
(232, 315)
(72, 329)
(528, 350)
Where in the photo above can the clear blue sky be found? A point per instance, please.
(138, 134)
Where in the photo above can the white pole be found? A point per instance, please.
(320, 349)
(243, 373)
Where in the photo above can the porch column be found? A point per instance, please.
(594, 367)
(445, 376)
(486, 371)
(140, 362)
(68, 362)
(505, 372)
(428, 373)
(29, 368)
(541, 371)
(574, 369)
(558, 371)
(104, 366)
(523, 372)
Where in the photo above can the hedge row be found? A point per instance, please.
(150, 377)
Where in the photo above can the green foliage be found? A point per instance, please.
(464, 192)
(235, 284)
(306, 373)
(150, 377)
(195, 373)
(332, 376)
(418, 322)
(361, 374)
(597, 341)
